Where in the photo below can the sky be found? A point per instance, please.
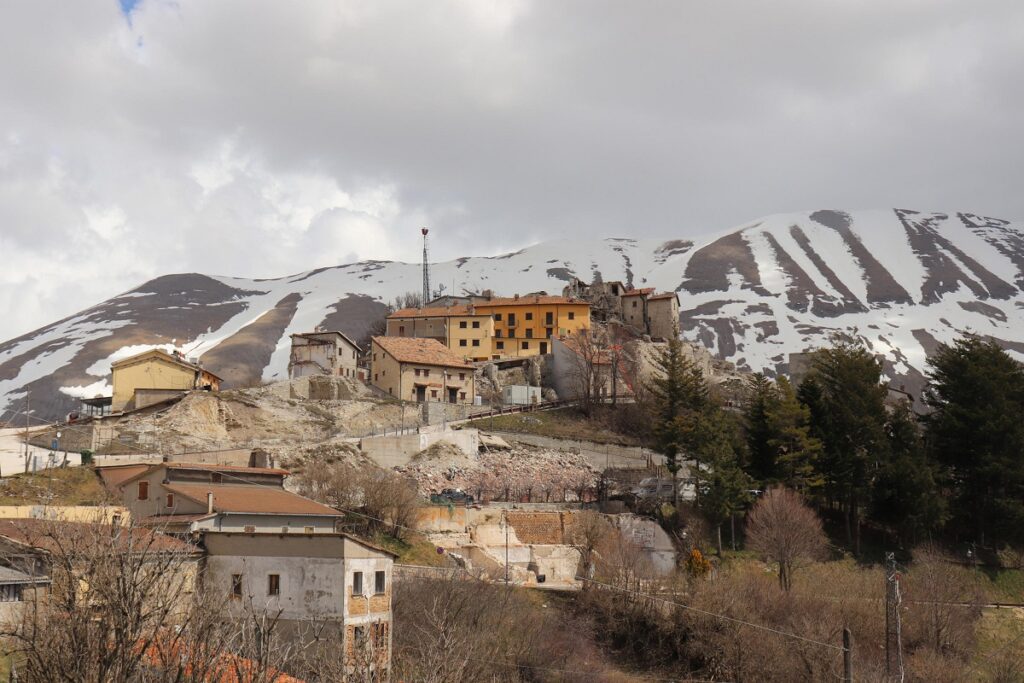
(263, 138)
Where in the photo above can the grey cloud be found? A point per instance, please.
(333, 130)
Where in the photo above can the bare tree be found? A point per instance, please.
(589, 366)
(390, 501)
(785, 531)
(590, 531)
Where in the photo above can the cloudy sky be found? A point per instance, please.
(264, 138)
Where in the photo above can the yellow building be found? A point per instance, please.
(525, 325)
(420, 370)
(496, 327)
(154, 376)
(465, 332)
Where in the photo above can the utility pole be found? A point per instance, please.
(426, 270)
(847, 656)
(893, 646)
(506, 549)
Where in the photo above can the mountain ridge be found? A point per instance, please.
(905, 280)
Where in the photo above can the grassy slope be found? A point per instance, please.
(70, 486)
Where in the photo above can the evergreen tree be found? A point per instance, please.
(795, 451)
(761, 397)
(976, 432)
(847, 404)
(906, 495)
(725, 490)
(680, 396)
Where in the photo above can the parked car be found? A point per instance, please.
(451, 497)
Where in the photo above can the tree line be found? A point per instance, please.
(953, 469)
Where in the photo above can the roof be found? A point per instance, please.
(164, 356)
(199, 466)
(49, 535)
(456, 311)
(646, 291)
(300, 534)
(314, 335)
(114, 476)
(531, 300)
(9, 576)
(420, 351)
(251, 498)
(663, 295)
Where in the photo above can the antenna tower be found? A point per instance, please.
(426, 270)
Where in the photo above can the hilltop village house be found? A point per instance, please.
(496, 327)
(314, 582)
(642, 310)
(192, 497)
(154, 376)
(415, 369)
(323, 353)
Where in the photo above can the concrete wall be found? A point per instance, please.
(634, 311)
(153, 373)
(397, 451)
(150, 397)
(269, 523)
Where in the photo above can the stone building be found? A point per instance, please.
(323, 353)
(422, 370)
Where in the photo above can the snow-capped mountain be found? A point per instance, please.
(905, 280)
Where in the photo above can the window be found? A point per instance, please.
(216, 477)
(526, 345)
(143, 490)
(462, 324)
(10, 593)
(547, 332)
(462, 342)
(500, 345)
(497, 334)
(417, 371)
(308, 529)
(462, 376)
(357, 583)
(543, 347)
(549, 318)
(273, 584)
(426, 373)
(170, 500)
(433, 393)
(572, 315)
(462, 395)
(476, 324)
(379, 582)
(511, 334)
(376, 376)
(511, 319)
(476, 342)
(529, 316)
(634, 303)
(497, 317)
(529, 333)
(401, 330)
(359, 636)
(236, 585)
(379, 635)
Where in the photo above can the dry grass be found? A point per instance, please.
(565, 423)
(69, 486)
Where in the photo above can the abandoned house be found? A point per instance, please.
(313, 581)
(188, 497)
(153, 376)
(421, 370)
(323, 353)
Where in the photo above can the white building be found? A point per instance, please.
(323, 353)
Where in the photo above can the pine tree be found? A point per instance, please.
(761, 397)
(725, 491)
(680, 395)
(796, 452)
(847, 404)
(906, 495)
(976, 432)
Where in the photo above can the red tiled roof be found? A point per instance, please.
(459, 310)
(420, 351)
(49, 535)
(251, 498)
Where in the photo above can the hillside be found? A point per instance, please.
(905, 280)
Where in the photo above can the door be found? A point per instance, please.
(421, 393)
(453, 394)
(543, 348)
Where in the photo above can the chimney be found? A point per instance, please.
(209, 502)
(517, 297)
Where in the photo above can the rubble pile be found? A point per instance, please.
(522, 473)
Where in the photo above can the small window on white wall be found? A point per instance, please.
(357, 583)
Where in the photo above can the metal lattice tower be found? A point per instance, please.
(426, 270)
